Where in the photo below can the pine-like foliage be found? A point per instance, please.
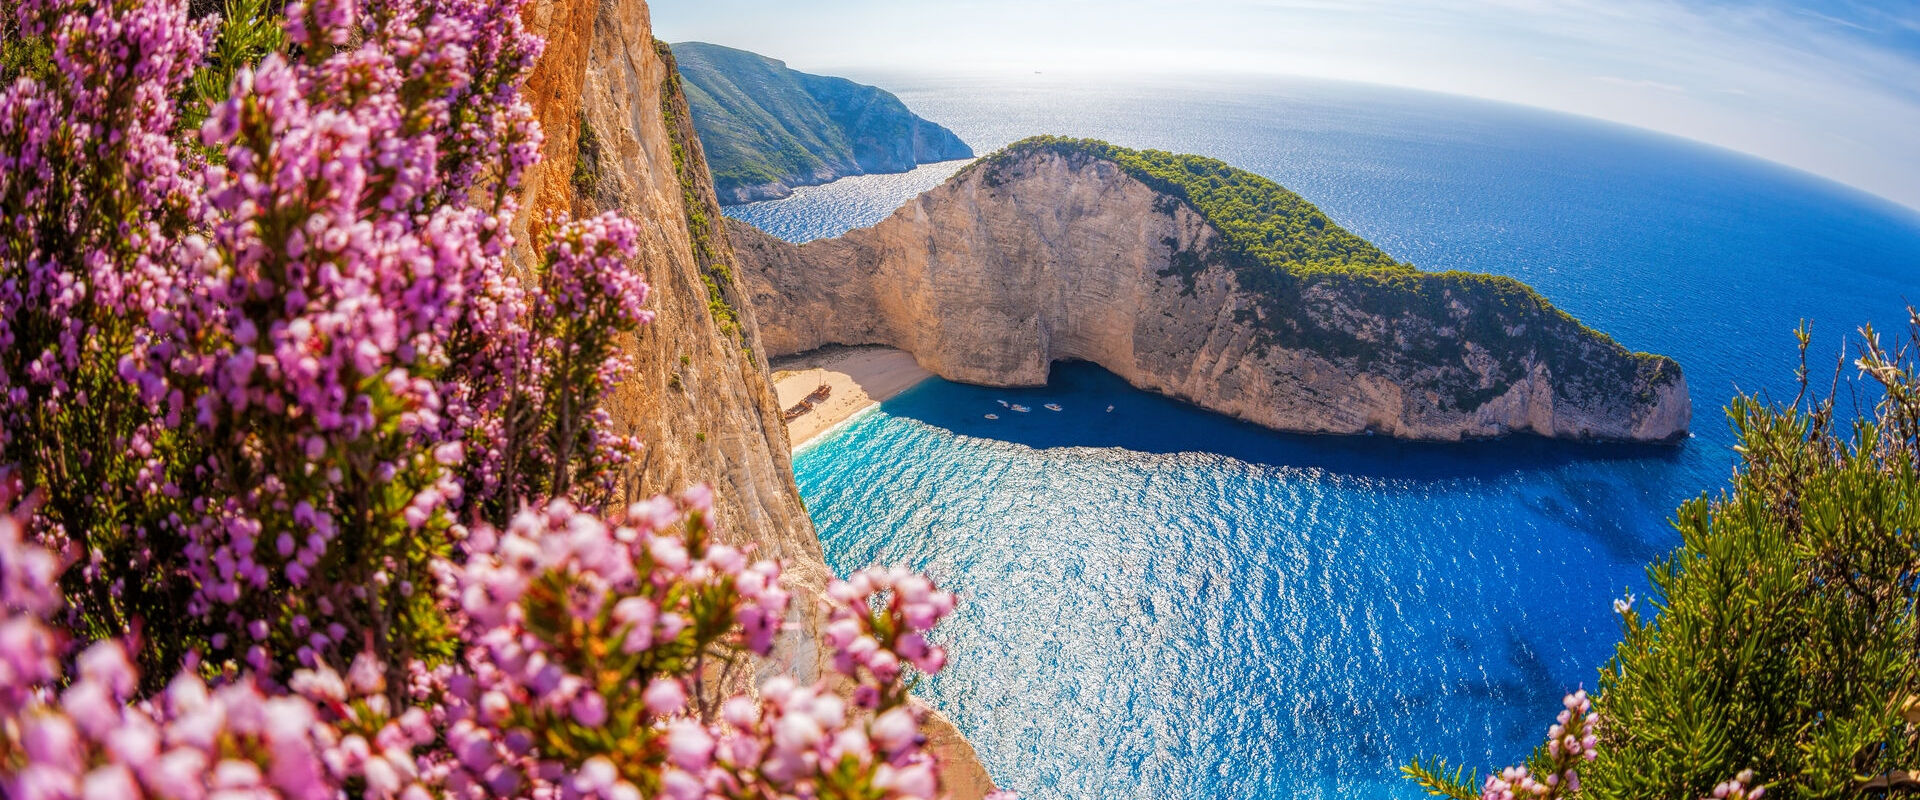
(1782, 641)
(1784, 632)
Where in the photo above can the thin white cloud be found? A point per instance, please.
(1641, 83)
(1809, 88)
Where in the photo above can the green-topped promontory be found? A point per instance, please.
(1283, 248)
(1262, 220)
(1199, 280)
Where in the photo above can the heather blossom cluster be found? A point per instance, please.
(314, 355)
(880, 646)
(91, 734)
(343, 249)
(1572, 740)
(1741, 787)
(285, 403)
(580, 631)
(605, 632)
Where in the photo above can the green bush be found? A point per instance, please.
(248, 31)
(1783, 634)
(586, 157)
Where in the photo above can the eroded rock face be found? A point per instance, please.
(701, 399)
(993, 276)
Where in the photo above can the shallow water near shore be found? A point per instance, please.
(1158, 601)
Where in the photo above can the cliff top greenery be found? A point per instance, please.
(1282, 249)
(1263, 220)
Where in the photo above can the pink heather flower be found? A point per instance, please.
(589, 709)
(52, 741)
(597, 775)
(679, 785)
(669, 554)
(739, 712)
(895, 730)
(636, 614)
(177, 774)
(664, 697)
(91, 707)
(796, 732)
(842, 632)
(366, 676)
(106, 664)
(110, 782)
(1740, 788)
(1571, 741)
(689, 746)
(699, 497)
(913, 780)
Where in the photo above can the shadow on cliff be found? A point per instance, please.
(1098, 409)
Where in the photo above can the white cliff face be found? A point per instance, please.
(989, 281)
(700, 397)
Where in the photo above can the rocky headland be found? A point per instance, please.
(767, 129)
(1196, 280)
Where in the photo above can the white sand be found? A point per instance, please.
(861, 378)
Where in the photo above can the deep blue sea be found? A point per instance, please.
(1160, 602)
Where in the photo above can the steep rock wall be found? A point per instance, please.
(993, 276)
(619, 138)
(700, 399)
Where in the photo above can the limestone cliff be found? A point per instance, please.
(619, 138)
(1060, 250)
(700, 399)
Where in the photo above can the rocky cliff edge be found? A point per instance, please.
(619, 137)
(1059, 249)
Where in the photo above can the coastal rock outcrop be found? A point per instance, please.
(619, 137)
(767, 129)
(1258, 307)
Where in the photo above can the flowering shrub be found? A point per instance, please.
(282, 404)
(1781, 638)
(580, 639)
(1570, 743)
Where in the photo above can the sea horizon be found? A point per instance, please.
(912, 83)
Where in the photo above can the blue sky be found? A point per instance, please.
(1829, 87)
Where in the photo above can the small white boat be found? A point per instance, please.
(1109, 409)
(1020, 408)
(993, 416)
(1053, 406)
(1003, 403)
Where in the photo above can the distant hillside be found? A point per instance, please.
(767, 129)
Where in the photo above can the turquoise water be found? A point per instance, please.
(1161, 602)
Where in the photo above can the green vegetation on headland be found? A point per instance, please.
(1300, 266)
(766, 128)
(1782, 635)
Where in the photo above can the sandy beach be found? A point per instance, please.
(859, 377)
